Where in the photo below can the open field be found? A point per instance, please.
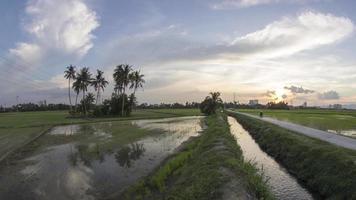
(16, 128)
(343, 121)
(324, 168)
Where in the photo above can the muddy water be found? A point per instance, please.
(80, 170)
(283, 185)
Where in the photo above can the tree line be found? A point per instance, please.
(125, 79)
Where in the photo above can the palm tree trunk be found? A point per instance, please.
(123, 102)
(84, 109)
(70, 100)
(97, 97)
(76, 101)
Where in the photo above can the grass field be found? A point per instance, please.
(327, 120)
(18, 127)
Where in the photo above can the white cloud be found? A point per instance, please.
(29, 53)
(285, 37)
(230, 4)
(292, 35)
(64, 27)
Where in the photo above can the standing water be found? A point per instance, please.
(65, 169)
(283, 185)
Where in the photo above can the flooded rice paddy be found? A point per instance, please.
(283, 185)
(75, 161)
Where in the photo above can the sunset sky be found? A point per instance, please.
(271, 50)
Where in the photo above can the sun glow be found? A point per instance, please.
(279, 94)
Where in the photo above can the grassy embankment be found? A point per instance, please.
(336, 120)
(210, 166)
(18, 128)
(325, 169)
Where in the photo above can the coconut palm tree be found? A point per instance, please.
(122, 80)
(69, 74)
(137, 80)
(99, 83)
(84, 80)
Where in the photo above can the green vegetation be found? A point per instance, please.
(202, 169)
(337, 120)
(17, 128)
(325, 169)
(211, 103)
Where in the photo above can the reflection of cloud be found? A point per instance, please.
(329, 95)
(298, 90)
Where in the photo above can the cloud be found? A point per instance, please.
(298, 90)
(292, 35)
(270, 93)
(285, 37)
(29, 53)
(329, 95)
(230, 4)
(62, 27)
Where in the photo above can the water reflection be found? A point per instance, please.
(127, 154)
(82, 169)
(86, 153)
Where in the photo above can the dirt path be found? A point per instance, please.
(332, 138)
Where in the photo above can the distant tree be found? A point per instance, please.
(99, 83)
(211, 103)
(69, 74)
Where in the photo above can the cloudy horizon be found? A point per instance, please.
(271, 50)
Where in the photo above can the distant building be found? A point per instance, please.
(336, 106)
(253, 102)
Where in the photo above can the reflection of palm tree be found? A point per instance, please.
(86, 155)
(129, 153)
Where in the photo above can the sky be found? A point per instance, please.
(270, 50)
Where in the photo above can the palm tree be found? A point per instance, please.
(122, 80)
(69, 74)
(137, 81)
(84, 80)
(99, 83)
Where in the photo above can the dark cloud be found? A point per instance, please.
(329, 95)
(298, 90)
(270, 93)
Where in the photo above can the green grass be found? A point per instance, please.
(324, 168)
(319, 119)
(16, 128)
(199, 170)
